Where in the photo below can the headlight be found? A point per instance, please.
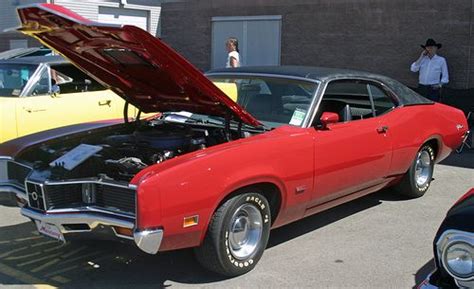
(458, 258)
(455, 250)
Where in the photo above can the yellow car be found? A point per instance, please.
(40, 93)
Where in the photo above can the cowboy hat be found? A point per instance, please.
(431, 42)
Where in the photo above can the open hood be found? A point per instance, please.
(134, 64)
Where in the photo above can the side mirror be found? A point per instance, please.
(327, 118)
(87, 83)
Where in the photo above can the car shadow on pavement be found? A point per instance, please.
(320, 220)
(465, 159)
(28, 258)
(423, 272)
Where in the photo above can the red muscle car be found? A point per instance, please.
(211, 172)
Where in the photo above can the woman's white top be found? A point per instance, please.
(234, 54)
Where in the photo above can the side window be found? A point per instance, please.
(42, 86)
(13, 78)
(382, 102)
(70, 79)
(350, 99)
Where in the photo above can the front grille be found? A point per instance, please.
(115, 198)
(35, 196)
(102, 196)
(63, 196)
(17, 173)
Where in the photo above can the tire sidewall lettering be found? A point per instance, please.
(262, 207)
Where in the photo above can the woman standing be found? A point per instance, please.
(233, 57)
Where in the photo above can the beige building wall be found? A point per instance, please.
(87, 8)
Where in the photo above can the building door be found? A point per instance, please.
(124, 16)
(259, 39)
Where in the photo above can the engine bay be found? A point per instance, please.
(126, 149)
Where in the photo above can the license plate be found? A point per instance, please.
(49, 230)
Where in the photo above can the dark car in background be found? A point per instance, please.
(454, 248)
(25, 52)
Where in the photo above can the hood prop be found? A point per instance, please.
(227, 126)
(125, 111)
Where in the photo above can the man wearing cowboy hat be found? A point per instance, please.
(433, 71)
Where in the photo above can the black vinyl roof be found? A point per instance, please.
(315, 73)
(405, 95)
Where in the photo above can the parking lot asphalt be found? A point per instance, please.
(379, 241)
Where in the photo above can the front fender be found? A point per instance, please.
(8, 125)
(197, 184)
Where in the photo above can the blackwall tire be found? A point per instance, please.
(417, 180)
(237, 235)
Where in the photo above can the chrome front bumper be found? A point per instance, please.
(148, 241)
(11, 195)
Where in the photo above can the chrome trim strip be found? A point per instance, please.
(448, 238)
(23, 165)
(87, 181)
(233, 74)
(89, 209)
(35, 78)
(313, 106)
(148, 241)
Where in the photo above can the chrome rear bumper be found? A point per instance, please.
(148, 241)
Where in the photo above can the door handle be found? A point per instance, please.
(30, 110)
(105, 102)
(382, 129)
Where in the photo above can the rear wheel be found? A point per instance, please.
(237, 235)
(418, 178)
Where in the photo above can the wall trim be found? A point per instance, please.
(246, 18)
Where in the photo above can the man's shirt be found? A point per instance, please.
(432, 70)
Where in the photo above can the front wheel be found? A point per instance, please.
(417, 180)
(237, 235)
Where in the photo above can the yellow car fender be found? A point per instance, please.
(8, 124)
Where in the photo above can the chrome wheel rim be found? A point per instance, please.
(422, 168)
(245, 231)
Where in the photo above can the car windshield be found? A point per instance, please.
(13, 78)
(274, 101)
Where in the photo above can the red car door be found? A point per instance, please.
(354, 154)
